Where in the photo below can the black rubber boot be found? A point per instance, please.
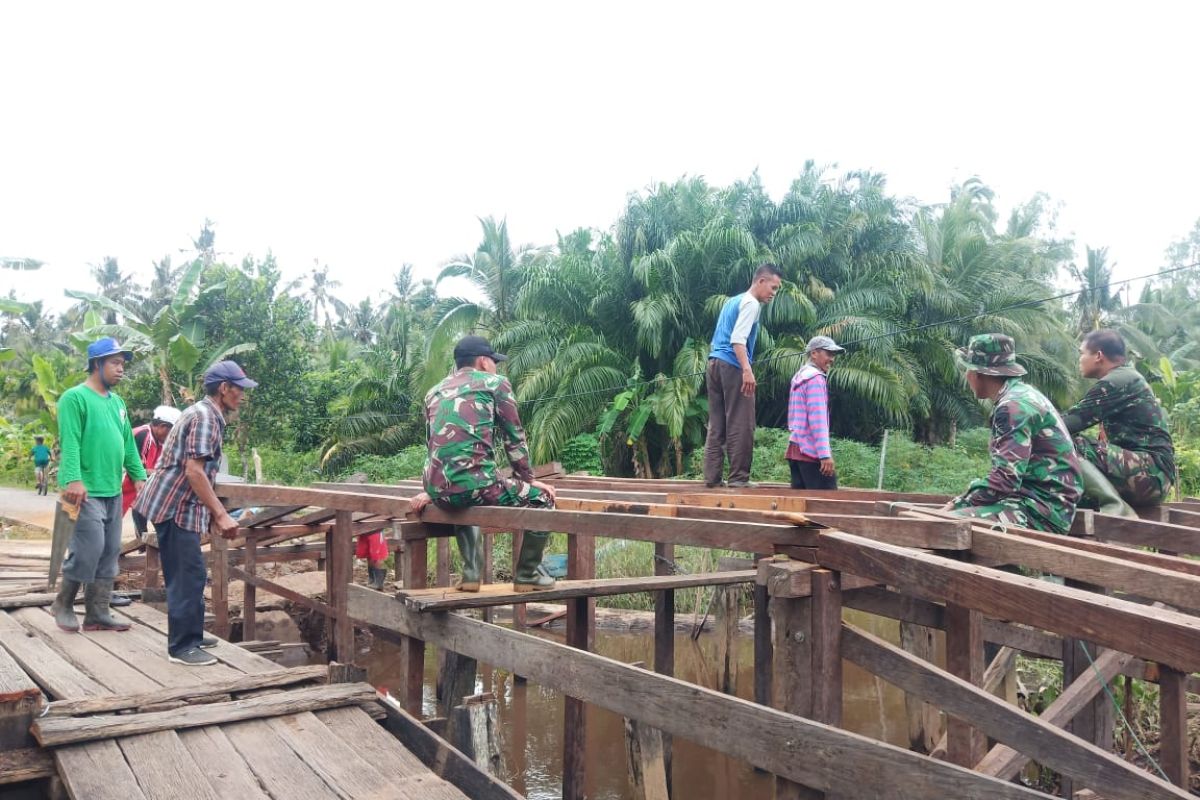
(96, 596)
(63, 607)
(376, 577)
(531, 576)
(468, 537)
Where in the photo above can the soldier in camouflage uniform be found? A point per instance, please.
(1035, 480)
(1134, 448)
(465, 413)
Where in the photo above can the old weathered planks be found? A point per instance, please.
(502, 594)
(57, 731)
(801, 750)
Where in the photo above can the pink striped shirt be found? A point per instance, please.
(808, 413)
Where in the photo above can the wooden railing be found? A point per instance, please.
(868, 551)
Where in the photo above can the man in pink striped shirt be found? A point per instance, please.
(809, 455)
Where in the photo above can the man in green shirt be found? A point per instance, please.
(97, 450)
(1134, 449)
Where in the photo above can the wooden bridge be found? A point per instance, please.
(1122, 612)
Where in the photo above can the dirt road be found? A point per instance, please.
(29, 508)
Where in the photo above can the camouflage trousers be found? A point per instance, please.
(1008, 513)
(504, 492)
(1134, 475)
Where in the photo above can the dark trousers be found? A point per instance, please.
(730, 424)
(807, 475)
(185, 573)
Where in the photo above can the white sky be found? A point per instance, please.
(365, 135)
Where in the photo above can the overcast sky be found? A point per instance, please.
(367, 135)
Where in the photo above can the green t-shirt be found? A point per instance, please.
(41, 455)
(97, 442)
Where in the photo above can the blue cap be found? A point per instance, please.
(103, 348)
(228, 371)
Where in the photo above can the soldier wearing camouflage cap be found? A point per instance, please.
(1134, 449)
(465, 415)
(1035, 480)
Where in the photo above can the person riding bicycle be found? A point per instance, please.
(41, 462)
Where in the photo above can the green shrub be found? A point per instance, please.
(286, 467)
(582, 454)
(408, 464)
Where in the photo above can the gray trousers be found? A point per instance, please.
(96, 543)
(730, 424)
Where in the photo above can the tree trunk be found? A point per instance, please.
(164, 379)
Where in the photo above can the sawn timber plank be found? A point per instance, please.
(164, 768)
(223, 766)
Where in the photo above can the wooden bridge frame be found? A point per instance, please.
(851, 549)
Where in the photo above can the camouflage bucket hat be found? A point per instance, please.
(991, 354)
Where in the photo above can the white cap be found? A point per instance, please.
(167, 414)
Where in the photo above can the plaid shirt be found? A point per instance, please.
(168, 495)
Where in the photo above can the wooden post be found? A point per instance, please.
(220, 584)
(412, 650)
(827, 646)
(762, 643)
(647, 768)
(338, 578)
(443, 562)
(487, 541)
(965, 745)
(1172, 708)
(792, 690)
(574, 711)
(249, 590)
(1094, 722)
(664, 633)
(151, 573)
(474, 728)
(581, 565)
(924, 719)
(518, 609)
(457, 680)
(520, 733)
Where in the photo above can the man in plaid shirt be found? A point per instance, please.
(180, 501)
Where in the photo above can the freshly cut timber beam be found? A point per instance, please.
(801, 750)
(1048, 744)
(1161, 635)
(502, 594)
(241, 683)
(1103, 570)
(1004, 762)
(1170, 535)
(324, 499)
(948, 534)
(58, 731)
(268, 515)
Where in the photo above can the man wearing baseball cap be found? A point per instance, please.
(1035, 480)
(466, 413)
(179, 499)
(97, 451)
(149, 439)
(809, 455)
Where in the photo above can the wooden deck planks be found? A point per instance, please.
(371, 741)
(278, 769)
(85, 652)
(97, 771)
(164, 768)
(223, 766)
(335, 761)
(236, 657)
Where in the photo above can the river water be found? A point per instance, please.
(531, 716)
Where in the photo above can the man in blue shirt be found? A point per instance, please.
(731, 381)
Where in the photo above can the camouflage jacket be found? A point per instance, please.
(1132, 417)
(1033, 459)
(464, 414)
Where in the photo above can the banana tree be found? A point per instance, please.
(173, 339)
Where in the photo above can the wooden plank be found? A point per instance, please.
(97, 771)
(277, 768)
(26, 764)
(26, 600)
(268, 516)
(57, 731)
(250, 590)
(20, 700)
(219, 562)
(1047, 743)
(230, 654)
(826, 647)
(1147, 533)
(415, 568)
(372, 740)
(239, 683)
(1005, 762)
(644, 754)
(164, 767)
(224, 768)
(340, 566)
(1161, 635)
(761, 503)
(335, 761)
(783, 578)
(798, 749)
(1174, 751)
(86, 653)
(1111, 572)
(49, 669)
(502, 594)
(965, 744)
(933, 534)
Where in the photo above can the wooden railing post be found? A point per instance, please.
(412, 650)
(519, 609)
(792, 690)
(664, 632)
(827, 646)
(340, 574)
(581, 625)
(965, 745)
(762, 642)
(1172, 709)
(249, 590)
(219, 550)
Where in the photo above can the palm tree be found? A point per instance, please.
(496, 271)
(376, 415)
(322, 297)
(114, 284)
(173, 339)
(1096, 301)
